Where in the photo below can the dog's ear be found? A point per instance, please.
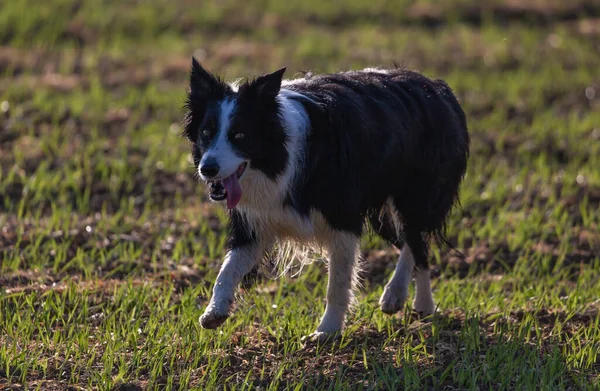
(267, 86)
(202, 83)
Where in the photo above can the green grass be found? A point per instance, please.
(108, 247)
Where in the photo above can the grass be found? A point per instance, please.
(109, 247)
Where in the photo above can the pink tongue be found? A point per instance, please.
(234, 191)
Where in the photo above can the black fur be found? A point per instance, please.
(372, 136)
(240, 234)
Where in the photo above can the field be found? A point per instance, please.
(108, 246)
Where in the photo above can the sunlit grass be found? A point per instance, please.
(109, 250)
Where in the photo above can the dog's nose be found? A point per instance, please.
(209, 168)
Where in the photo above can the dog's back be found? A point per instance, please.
(378, 134)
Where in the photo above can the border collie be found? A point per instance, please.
(312, 160)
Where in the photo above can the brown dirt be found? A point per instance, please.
(531, 11)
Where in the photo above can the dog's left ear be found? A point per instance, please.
(268, 86)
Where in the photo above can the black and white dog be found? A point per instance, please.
(312, 159)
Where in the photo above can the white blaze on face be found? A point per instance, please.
(221, 149)
(221, 153)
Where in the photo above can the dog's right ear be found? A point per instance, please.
(202, 83)
(266, 86)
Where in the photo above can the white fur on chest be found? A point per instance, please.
(283, 222)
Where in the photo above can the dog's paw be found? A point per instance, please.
(393, 299)
(214, 316)
(322, 337)
(424, 306)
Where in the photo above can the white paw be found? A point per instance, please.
(424, 305)
(393, 299)
(322, 336)
(214, 315)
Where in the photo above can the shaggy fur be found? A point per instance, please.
(312, 159)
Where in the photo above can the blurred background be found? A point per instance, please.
(96, 183)
(92, 94)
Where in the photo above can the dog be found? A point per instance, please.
(315, 160)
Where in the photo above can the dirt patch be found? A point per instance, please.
(499, 259)
(477, 257)
(64, 70)
(533, 12)
(589, 27)
(485, 257)
(85, 238)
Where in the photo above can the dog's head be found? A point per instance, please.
(234, 131)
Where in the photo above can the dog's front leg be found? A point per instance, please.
(247, 248)
(343, 250)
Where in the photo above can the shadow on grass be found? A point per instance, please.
(447, 351)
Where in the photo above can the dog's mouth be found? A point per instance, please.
(228, 188)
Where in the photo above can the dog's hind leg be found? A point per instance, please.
(423, 302)
(343, 252)
(387, 225)
(395, 292)
(413, 258)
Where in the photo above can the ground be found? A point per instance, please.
(109, 247)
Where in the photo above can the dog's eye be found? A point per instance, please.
(239, 136)
(206, 132)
